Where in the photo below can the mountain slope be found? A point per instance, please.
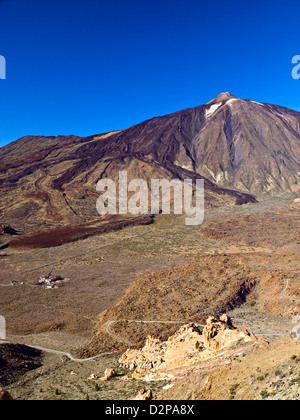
(46, 182)
(238, 146)
(250, 146)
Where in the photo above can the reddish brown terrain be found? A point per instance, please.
(64, 235)
(270, 229)
(189, 293)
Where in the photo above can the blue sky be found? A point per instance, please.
(92, 66)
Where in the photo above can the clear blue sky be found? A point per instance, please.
(92, 66)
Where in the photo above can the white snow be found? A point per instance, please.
(231, 100)
(212, 109)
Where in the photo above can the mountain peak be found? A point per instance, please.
(223, 97)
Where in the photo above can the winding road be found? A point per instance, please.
(286, 286)
(129, 343)
(107, 329)
(60, 353)
(110, 323)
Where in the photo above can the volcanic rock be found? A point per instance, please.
(144, 395)
(4, 395)
(220, 332)
(187, 346)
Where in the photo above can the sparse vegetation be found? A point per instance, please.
(210, 283)
(232, 391)
(264, 394)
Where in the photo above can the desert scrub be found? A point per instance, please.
(199, 347)
(278, 372)
(264, 394)
(295, 381)
(232, 391)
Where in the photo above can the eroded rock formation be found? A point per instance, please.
(220, 332)
(7, 229)
(187, 346)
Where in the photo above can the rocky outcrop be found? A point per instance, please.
(161, 355)
(7, 229)
(220, 332)
(149, 358)
(4, 395)
(144, 395)
(109, 373)
(187, 346)
(260, 341)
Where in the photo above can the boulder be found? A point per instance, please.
(7, 229)
(109, 373)
(144, 395)
(219, 332)
(260, 341)
(4, 395)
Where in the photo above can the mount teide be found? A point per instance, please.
(249, 146)
(240, 147)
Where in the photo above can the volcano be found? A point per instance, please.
(241, 148)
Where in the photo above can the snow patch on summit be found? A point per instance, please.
(212, 109)
(231, 100)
